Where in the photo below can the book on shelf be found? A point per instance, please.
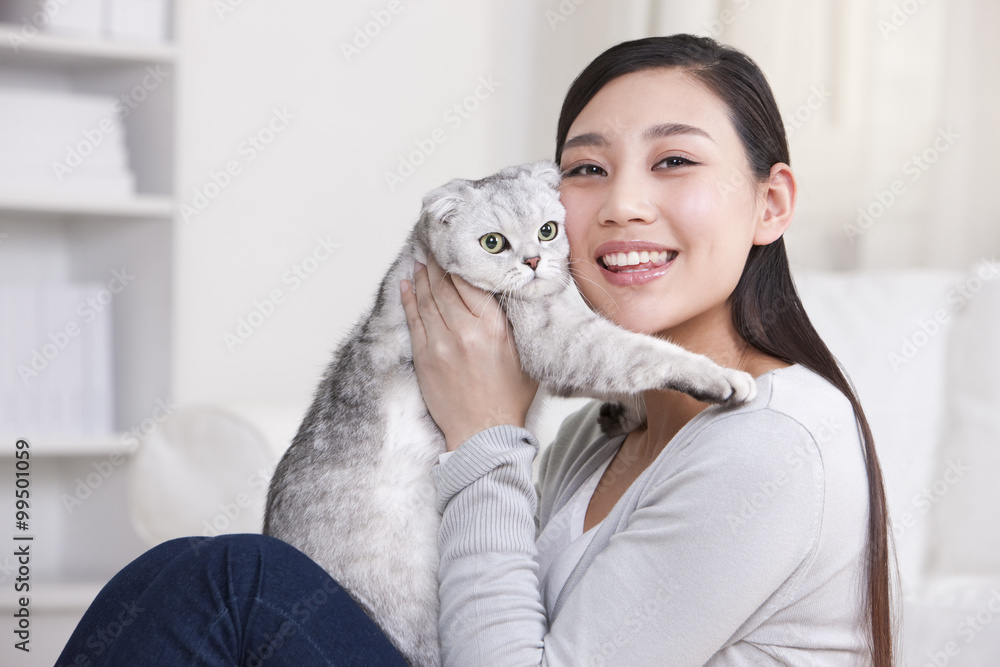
(117, 20)
(56, 360)
(62, 143)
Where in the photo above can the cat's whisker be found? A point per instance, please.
(492, 294)
(595, 284)
(496, 293)
(508, 304)
(515, 305)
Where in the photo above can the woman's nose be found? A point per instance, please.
(628, 201)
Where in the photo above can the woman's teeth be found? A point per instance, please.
(623, 261)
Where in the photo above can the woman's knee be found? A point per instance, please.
(244, 559)
(240, 545)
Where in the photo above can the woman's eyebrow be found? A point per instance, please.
(596, 139)
(586, 139)
(670, 129)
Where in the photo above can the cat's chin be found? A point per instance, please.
(536, 289)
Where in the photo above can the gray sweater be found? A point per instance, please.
(741, 544)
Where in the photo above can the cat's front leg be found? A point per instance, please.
(577, 352)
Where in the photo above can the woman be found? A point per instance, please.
(747, 535)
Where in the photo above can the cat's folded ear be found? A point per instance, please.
(546, 171)
(441, 203)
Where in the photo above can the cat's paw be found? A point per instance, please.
(724, 385)
(744, 387)
(617, 418)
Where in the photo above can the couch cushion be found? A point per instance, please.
(952, 621)
(890, 332)
(966, 493)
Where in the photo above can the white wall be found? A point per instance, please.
(323, 175)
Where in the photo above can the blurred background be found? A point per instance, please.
(198, 199)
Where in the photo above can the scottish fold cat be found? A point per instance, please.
(354, 490)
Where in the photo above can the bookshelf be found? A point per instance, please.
(70, 237)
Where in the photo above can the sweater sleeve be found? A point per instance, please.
(726, 533)
(491, 609)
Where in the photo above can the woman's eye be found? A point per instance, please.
(548, 231)
(675, 161)
(493, 243)
(585, 170)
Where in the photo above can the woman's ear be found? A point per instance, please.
(779, 206)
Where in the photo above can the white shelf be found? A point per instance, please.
(141, 206)
(71, 446)
(71, 51)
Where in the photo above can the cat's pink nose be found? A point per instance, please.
(532, 262)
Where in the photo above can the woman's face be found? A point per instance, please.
(661, 210)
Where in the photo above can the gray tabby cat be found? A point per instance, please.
(354, 490)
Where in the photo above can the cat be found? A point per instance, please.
(354, 490)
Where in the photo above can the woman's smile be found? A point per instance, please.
(633, 262)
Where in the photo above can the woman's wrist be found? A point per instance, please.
(463, 433)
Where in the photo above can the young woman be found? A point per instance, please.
(753, 534)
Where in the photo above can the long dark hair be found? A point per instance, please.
(766, 310)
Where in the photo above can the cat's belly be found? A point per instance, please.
(413, 442)
(388, 506)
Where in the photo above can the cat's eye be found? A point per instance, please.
(548, 231)
(493, 243)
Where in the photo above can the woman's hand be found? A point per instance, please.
(464, 355)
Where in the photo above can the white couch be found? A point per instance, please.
(923, 350)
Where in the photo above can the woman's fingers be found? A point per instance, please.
(479, 303)
(469, 376)
(427, 306)
(462, 304)
(449, 302)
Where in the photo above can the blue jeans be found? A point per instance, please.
(229, 600)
